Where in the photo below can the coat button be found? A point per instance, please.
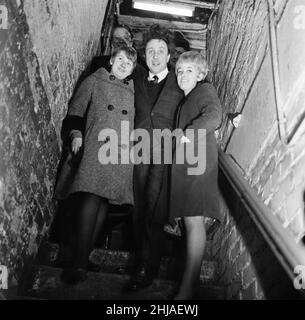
(124, 111)
(111, 77)
(110, 107)
(152, 114)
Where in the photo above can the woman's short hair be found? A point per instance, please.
(196, 58)
(130, 52)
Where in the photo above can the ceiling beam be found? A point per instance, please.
(141, 23)
(197, 44)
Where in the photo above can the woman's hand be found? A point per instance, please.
(76, 144)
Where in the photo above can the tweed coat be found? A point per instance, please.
(103, 101)
(197, 195)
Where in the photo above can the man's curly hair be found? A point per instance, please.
(157, 32)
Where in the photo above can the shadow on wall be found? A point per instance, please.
(264, 266)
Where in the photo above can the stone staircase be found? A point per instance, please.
(41, 280)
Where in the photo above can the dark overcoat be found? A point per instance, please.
(104, 102)
(197, 194)
(150, 179)
(161, 115)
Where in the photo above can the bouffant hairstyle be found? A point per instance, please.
(196, 58)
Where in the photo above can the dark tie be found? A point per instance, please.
(154, 80)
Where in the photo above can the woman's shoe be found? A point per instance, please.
(73, 276)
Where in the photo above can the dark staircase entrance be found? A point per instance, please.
(42, 278)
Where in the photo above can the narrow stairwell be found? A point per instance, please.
(41, 280)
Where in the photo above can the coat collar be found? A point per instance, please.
(161, 75)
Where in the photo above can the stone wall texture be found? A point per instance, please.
(242, 65)
(44, 50)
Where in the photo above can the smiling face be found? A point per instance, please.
(122, 67)
(157, 56)
(188, 75)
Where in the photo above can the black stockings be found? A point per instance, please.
(90, 218)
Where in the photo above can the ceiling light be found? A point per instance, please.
(164, 8)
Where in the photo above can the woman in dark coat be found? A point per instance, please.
(103, 101)
(194, 191)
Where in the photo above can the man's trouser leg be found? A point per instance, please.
(155, 242)
(139, 213)
(154, 229)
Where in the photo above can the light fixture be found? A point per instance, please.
(179, 10)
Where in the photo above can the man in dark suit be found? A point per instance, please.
(156, 99)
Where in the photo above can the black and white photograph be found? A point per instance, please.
(152, 153)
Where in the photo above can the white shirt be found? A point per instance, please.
(161, 75)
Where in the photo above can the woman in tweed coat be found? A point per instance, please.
(102, 102)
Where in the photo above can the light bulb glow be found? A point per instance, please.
(164, 8)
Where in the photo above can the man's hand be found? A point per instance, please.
(76, 144)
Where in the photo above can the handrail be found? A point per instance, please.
(288, 252)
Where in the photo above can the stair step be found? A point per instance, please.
(110, 260)
(12, 294)
(44, 282)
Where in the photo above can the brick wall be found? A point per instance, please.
(242, 67)
(46, 46)
(247, 266)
